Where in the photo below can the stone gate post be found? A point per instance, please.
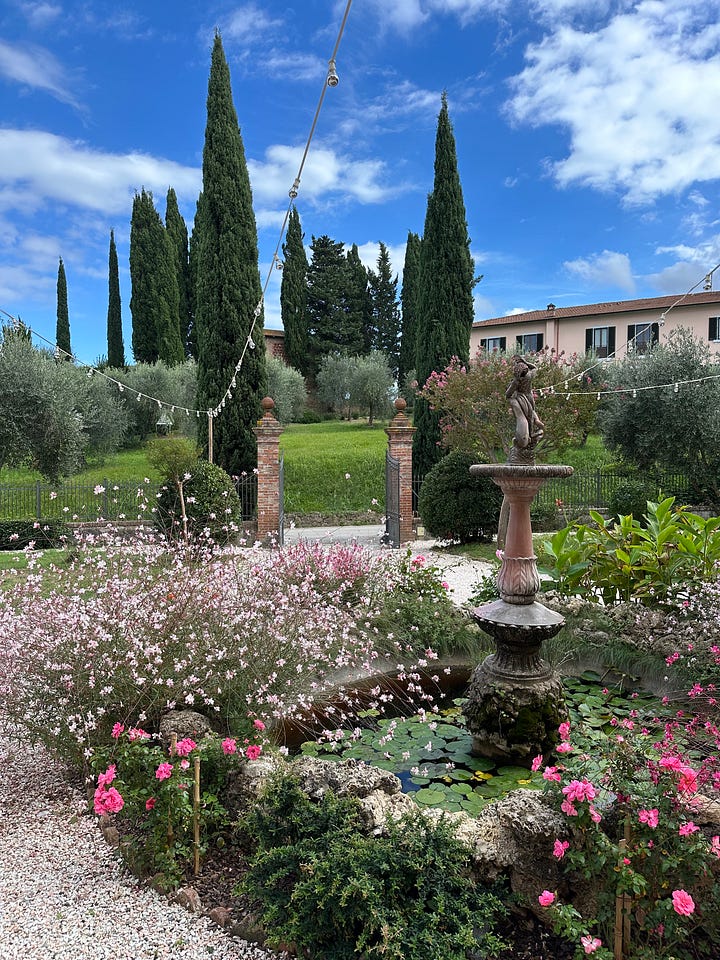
(400, 440)
(268, 432)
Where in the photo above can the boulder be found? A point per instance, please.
(184, 723)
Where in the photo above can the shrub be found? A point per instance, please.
(454, 505)
(287, 388)
(212, 504)
(44, 534)
(339, 894)
(629, 497)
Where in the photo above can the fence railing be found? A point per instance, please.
(85, 502)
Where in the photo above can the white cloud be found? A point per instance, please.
(35, 67)
(606, 268)
(39, 166)
(634, 96)
(249, 22)
(679, 276)
(41, 14)
(407, 15)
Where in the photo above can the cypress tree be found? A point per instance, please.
(383, 294)
(408, 301)
(62, 329)
(115, 345)
(154, 303)
(335, 320)
(445, 304)
(293, 297)
(178, 235)
(192, 277)
(359, 303)
(228, 291)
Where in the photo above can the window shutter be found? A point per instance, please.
(539, 341)
(631, 336)
(588, 339)
(503, 343)
(519, 341)
(655, 338)
(713, 328)
(483, 343)
(611, 341)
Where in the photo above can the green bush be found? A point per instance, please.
(311, 416)
(454, 505)
(339, 894)
(212, 504)
(630, 497)
(45, 534)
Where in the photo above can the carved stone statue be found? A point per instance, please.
(528, 426)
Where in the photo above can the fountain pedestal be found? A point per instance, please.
(515, 699)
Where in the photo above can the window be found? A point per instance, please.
(714, 329)
(600, 341)
(529, 342)
(493, 344)
(642, 336)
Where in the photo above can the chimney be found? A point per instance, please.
(551, 308)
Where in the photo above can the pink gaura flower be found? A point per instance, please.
(590, 944)
(546, 899)
(253, 751)
(185, 747)
(687, 828)
(537, 763)
(560, 848)
(150, 803)
(649, 817)
(164, 771)
(229, 746)
(683, 903)
(258, 724)
(117, 730)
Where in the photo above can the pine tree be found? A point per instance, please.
(62, 330)
(359, 302)
(385, 309)
(228, 308)
(293, 297)
(154, 302)
(178, 235)
(445, 304)
(408, 300)
(115, 344)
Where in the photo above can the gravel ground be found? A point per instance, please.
(63, 893)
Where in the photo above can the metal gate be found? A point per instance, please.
(392, 500)
(281, 500)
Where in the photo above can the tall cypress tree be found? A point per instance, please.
(62, 329)
(178, 235)
(192, 276)
(383, 294)
(115, 344)
(154, 303)
(228, 287)
(408, 301)
(360, 318)
(445, 304)
(293, 297)
(326, 298)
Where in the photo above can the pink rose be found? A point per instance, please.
(184, 764)
(253, 751)
(537, 763)
(546, 899)
(559, 849)
(563, 747)
(229, 746)
(683, 903)
(105, 778)
(150, 804)
(590, 944)
(137, 733)
(687, 828)
(184, 747)
(564, 730)
(551, 773)
(649, 817)
(164, 771)
(258, 724)
(107, 801)
(117, 730)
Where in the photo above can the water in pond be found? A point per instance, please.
(432, 756)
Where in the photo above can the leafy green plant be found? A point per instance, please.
(211, 503)
(629, 497)
(44, 534)
(454, 505)
(336, 893)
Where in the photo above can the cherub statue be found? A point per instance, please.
(528, 426)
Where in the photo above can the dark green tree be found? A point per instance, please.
(358, 300)
(178, 235)
(155, 301)
(192, 273)
(62, 330)
(385, 309)
(116, 346)
(293, 297)
(445, 303)
(333, 327)
(228, 307)
(408, 301)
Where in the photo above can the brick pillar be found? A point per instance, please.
(400, 440)
(268, 432)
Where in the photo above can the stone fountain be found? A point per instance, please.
(515, 698)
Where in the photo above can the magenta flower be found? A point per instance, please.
(537, 763)
(715, 846)
(552, 773)
(564, 730)
(184, 747)
(258, 724)
(579, 790)
(253, 751)
(590, 944)
(117, 730)
(164, 771)
(137, 733)
(563, 747)
(150, 803)
(687, 828)
(546, 898)
(229, 746)
(107, 801)
(560, 848)
(649, 817)
(105, 778)
(683, 903)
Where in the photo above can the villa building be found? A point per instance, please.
(607, 329)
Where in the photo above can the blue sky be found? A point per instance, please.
(588, 137)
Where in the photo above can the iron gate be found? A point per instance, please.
(392, 500)
(281, 500)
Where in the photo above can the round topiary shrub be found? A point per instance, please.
(212, 504)
(629, 497)
(454, 505)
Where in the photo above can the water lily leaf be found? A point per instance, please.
(429, 797)
(510, 772)
(420, 781)
(463, 788)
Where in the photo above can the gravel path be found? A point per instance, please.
(63, 893)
